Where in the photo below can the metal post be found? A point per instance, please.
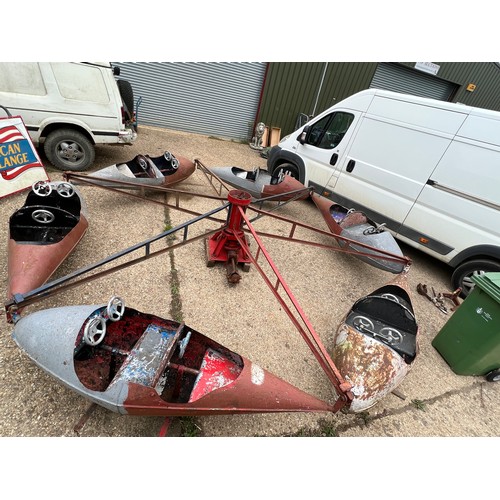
(225, 245)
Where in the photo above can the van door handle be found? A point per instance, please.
(350, 166)
(334, 158)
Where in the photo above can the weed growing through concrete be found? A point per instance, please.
(189, 427)
(365, 417)
(175, 291)
(325, 429)
(419, 404)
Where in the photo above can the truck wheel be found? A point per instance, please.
(69, 149)
(462, 275)
(287, 167)
(493, 376)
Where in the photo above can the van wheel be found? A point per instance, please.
(287, 167)
(462, 275)
(69, 149)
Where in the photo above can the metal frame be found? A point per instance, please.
(232, 229)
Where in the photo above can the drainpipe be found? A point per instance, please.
(319, 90)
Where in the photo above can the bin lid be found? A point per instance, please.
(489, 283)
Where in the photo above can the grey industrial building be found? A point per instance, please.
(227, 99)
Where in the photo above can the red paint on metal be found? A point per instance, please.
(30, 266)
(228, 245)
(165, 427)
(84, 418)
(146, 168)
(246, 394)
(288, 188)
(96, 371)
(206, 378)
(324, 205)
(215, 372)
(305, 329)
(185, 169)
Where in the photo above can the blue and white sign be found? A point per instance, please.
(20, 165)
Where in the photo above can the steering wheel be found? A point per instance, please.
(390, 296)
(43, 216)
(42, 188)
(94, 331)
(167, 155)
(115, 308)
(362, 323)
(143, 164)
(391, 335)
(380, 228)
(174, 163)
(65, 189)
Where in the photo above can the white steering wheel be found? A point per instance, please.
(65, 189)
(94, 331)
(363, 323)
(115, 308)
(43, 216)
(42, 188)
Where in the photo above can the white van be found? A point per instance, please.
(429, 169)
(69, 107)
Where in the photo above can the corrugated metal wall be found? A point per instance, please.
(211, 98)
(222, 99)
(292, 88)
(343, 79)
(486, 77)
(398, 78)
(310, 88)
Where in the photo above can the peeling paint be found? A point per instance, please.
(371, 367)
(257, 374)
(372, 363)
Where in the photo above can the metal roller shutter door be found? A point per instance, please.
(211, 98)
(409, 81)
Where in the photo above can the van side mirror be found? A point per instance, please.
(303, 136)
(116, 70)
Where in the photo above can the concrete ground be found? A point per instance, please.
(434, 402)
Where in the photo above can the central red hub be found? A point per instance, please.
(224, 246)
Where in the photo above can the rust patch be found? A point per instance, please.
(372, 367)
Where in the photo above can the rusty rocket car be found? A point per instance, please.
(164, 170)
(139, 364)
(356, 226)
(260, 184)
(377, 342)
(42, 233)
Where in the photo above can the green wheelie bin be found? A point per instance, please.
(470, 340)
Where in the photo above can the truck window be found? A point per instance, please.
(80, 82)
(21, 78)
(329, 131)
